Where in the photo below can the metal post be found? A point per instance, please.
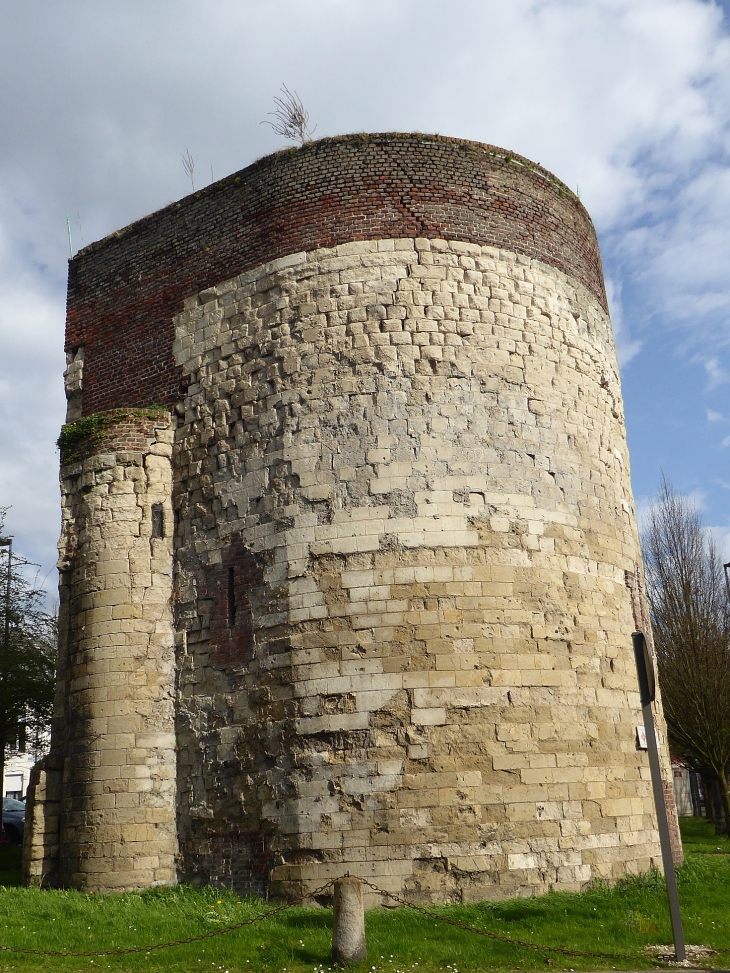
(5, 542)
(727, 579)
(645, 670)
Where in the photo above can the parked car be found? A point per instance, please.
(13, 819)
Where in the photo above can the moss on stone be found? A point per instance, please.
(78, 439)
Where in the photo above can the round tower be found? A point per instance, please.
(405, 556)
(414, 433)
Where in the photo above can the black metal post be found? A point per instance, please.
(645, 671)
(5, 542)
(727, 580)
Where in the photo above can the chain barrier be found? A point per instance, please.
(493, 935)
(127, 950)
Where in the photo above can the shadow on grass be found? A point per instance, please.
(11, 860)
(519, 911)
(307, 921)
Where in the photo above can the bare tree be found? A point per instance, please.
(189, 167)
(291, 118)
(690, 619)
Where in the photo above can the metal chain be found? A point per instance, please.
(494, 935)
(125, 950)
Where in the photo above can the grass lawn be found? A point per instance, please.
(622, 919)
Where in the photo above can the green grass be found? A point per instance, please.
(621, 919)
(699, 837)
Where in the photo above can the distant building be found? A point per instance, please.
(688, 792)
(16, 776)
(18, 764)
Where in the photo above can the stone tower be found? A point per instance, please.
(349, 563)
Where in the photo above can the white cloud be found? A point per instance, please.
(31, 404)
(713, 416)
(626, 348)
(643, 510)
(722, 539)
(630, 99)
(715, 372)
(698, 498)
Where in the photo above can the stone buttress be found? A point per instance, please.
(108, 789)
(388, 628)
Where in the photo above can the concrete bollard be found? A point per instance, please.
(348, 932)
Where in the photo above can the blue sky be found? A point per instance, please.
(627, 101)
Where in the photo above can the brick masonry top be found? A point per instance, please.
(124, 290)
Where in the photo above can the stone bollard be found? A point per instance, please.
(348, 932)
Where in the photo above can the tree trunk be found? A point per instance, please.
(725, 798)
(709, 802)
(718, 811)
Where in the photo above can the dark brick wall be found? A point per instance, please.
(231, 620)
(235, 860)
(124, 291)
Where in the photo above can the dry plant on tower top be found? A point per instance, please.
(189, 167)
(291, 118)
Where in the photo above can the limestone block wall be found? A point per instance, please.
(42, 832)
(402, 468)
(114, 725)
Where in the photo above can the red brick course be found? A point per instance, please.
(124, 290)
(123, 434)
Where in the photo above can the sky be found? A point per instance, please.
(626, 101)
